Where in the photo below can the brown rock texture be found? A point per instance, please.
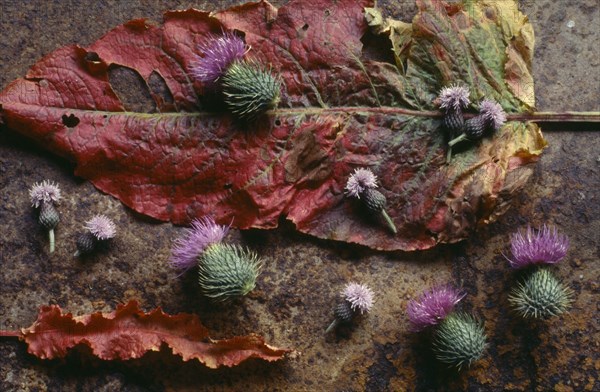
(302, 276)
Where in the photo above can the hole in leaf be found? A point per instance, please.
(278, 123)
(161, 92)
(92, 56)
(70, 121)
(377, 48)
(305, 27)
(131, 89)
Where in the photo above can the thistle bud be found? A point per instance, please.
(362, 185)
(491, 118)
(250, 90)
(355, 298)
(99, 229)
(459, 340)
(541, 296)
(227, 271)
(49, 217)
(224, 271)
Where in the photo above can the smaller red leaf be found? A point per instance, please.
(129, 333)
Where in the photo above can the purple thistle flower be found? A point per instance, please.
(218, 53)
(102, 227)
(359, 296)
(44, 192)
(454, 98)
(493, 113)
(359, 181)
(432, 307)
(545, 246)
(204, 232)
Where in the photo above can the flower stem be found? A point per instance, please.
(460, 138)
(332, 325)
(389, 221)
(51, 239)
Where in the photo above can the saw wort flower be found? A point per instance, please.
(355, 298)
(44, 197)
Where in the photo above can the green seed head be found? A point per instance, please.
(250, 90)
(541, 295)
(227, 271)
(459, 340)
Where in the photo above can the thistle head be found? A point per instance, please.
(250, 90)
(544, 246)
(218, 53)
(359, 181)
(359, 296)
(44, 192)
(459, 340)
(227, 271)
(195, 240)
(454, 98)
(492, 112)
(432, 307)
(541, 295)
(101, 227)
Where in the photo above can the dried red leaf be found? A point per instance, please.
(339, 110)
(129, 333)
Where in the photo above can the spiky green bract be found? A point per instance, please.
(459, 340)
(541, 295)
(227, 271)
(250, 90)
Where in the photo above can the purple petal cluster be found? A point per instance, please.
(102, 227)
(493, 113)
(359, 296)
(454, 98)
(203, 233)
(359, 181)
(545, 246)
(218, 53)
(432, 307)
(44, 192)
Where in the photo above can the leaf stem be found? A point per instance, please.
(592, 117)
(10, 334)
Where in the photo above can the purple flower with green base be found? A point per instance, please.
(217, 54)
(360, 181)
(544, 246)
(99, 230)
(355, 298)
(432, 307)
(44, 196)
(189, 247)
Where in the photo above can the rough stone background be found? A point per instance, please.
(291, 306)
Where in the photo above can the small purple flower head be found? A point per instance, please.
(203, 233)
(359, 296)
(454, 98)
(432, 307)
(545, 246)
(44, 192)
(493, 113)
(218, 53)
(359, 181)
(102, 227)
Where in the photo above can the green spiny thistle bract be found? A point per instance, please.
(541, 295)
(250, 90)
(227, 271)
(459, 340)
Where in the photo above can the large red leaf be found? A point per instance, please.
(129, 333)
(340, 110)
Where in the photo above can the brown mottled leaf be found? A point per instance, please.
(129, 333)
(340, 110)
